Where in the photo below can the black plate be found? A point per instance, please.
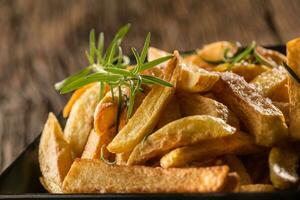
(21, 181)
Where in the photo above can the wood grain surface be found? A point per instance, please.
(41, 42)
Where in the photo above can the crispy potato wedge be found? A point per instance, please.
(262, 119)
(55, 155)
(283, 164)
(139, 179)
(178, 133)
(273, 84)
(50, 186)
(272, 56)
(284, 107)
(236, 165)
(170, 113)
(232, 182)
(238, 143)
(257, 188)
(80, 121)
(196, 104)
(75, 96)
(246, 70)
(293, 60)
(194, 59)
(145, 118)
(215, 52)
(194, 79)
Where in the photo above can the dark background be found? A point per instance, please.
(41, 42)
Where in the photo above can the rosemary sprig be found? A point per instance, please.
(103, 158)
(110, 68)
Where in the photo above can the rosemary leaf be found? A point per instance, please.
(156, 62)
(154, 80)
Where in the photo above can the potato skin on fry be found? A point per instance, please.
(80, 121)
(178, 133)
(55, 154)
(92, 176)
(145, 118)
(261, 118)
(257, 188)
(238, 143)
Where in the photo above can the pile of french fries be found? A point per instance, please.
(213, 131)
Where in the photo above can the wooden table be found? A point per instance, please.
(41, 42)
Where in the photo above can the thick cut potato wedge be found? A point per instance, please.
(293, 59)
(236, 165)
(215, 52)
(238, 143)
(284, 107)
(55, 155)
(257, 188)
(51, 186)
(232, 182)
(75, 96)
(178, 133)
(194, 79)
(171, 113)
(273, 84)
(194, 59)
(92, 176)
(145, 118)
(261, 118)
(283, 164)
(196, 104)
(80, 121)
(246, 70)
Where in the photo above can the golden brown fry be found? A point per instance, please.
(238, 143)
(147, 115)
(169, 114)
(194, 59)
(257, 188)
(50, 186)
(273, 84)
(80, 121)
(196, 104)
(284, 107)
(122, 158)
(261, 118)
(283, 164)
(236, 165)
(232, 183)
(293, 60)
(248, 71)
(178, 133)
(194, 79)
(55, 154)
(139, 179)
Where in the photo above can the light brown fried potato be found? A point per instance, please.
(75, 96)
(238, 143)
(178, 133)
(196, 104)
(194, 79)
(236, 165)
(293, 60)
(170, 113)
(273, 84)
(246, 70)
(232, 183)
(283, 164)
(262, 119)
(257, 188)
(55, 154)
(50, 186)
(284, 107)
(194, 59)
(139, 179)
(80, 121)
(272, 56)
(145, 118)
(122, 158)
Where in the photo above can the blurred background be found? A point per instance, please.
(41, 42)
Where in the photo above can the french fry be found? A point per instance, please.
(247, 71)
(293, 60)
(55, 155)
(284, 107)
(232, 183)
(122, 158)
(196, 104)
(257, 188)
(75, 96)
(238, 143)
(283, 164)
(261, 118)
(139, 179)
(178, 133)
(194, 79)
(145, 118)
(236, 165)
(194, 59)
(273, 84)
(80, 121)
(50, 186)
(171, 113)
